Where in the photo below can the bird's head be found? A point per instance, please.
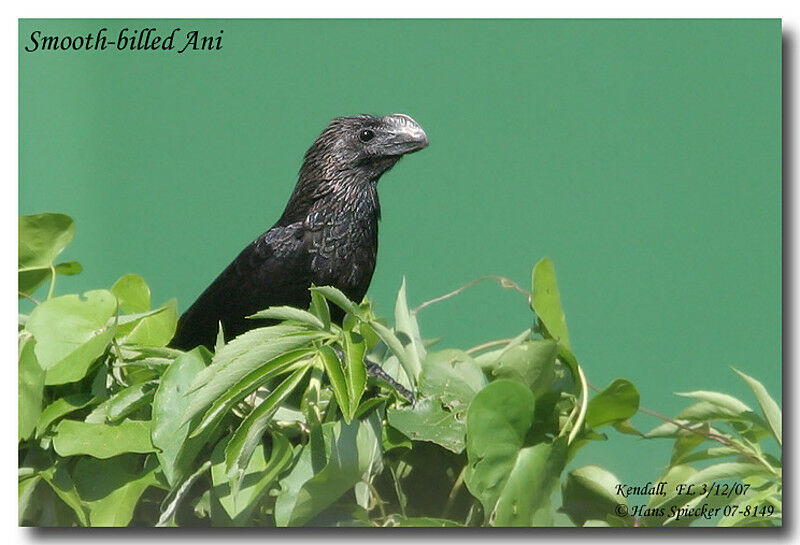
(364, 146)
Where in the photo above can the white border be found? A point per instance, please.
(788, 11)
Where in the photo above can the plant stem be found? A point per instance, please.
(502, 280)
(569, 425)
(584, 403)
(52, 289)
(752, 456)
(490, 344)
(117, 349)
(28, 297)
(454, 492)
(169, 510)
(377, 499)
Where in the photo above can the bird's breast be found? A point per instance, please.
(343, 250)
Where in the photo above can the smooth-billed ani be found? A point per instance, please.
(327, 235)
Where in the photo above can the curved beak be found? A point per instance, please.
(405, 135)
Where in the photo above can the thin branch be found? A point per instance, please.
(722, 439)
(169, 510)
(488, 345)
(710, 435)
(28, 297)
(569, 425)
(504, 282)
(451, 498)
(118, 350)
(52, 289)
(584, 405)
(377, 499)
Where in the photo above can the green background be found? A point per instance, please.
(644, 157)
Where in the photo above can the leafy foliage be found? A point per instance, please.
(733, 442)
(282, 426)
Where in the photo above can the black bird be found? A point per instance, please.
(327, 235)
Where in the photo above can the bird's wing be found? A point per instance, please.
(270, 271)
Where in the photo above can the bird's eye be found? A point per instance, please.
(366, 135)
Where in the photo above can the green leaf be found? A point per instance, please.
(704, 411)
(686, 517)
(154, 329)
(111, 489)
(727, 470)
(757, 499)
(133, 293)
(626, 427)
(177, 494)
(71, 333)
(392, 438)
(169, 433)
(719, 406)
(486, 360)
(705, 454)
(658, 506)
(338, 298)
(410, 362)
(427, 420)
(259, 474)
(26, 489)
(617, 402)
(368, 405)
(546, 301)
(451, 376)
(589, 493)
(512, 481)
(355, 370)
(243, 355)
(351, 449)
(42, 237)
(220, 341)
(249, 384)
(30, 387)
(123, 403)
(62, 484)
(333, 368)
(62, 407)
(290, 313)
(406, 327)
(392, 367)
(154, 353)
(247, 436)
(770, 409)
(251, 350)
(566, 356)
(724, 401)
(525, 498)
(69, 268)
(685, 443)
(449, 381)
(319, 308)
(30, 279)
(530, 362)
(101, 440)
(662, 508)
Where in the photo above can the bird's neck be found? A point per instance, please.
(346, 197)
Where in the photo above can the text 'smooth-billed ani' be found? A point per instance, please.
(327, 235)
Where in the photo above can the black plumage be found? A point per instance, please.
(327, 235)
